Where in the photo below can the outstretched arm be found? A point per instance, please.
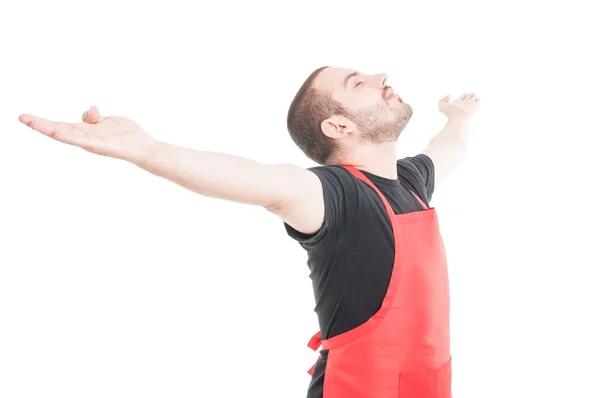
(448, 148)
(292, 193)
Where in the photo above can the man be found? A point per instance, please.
(376, 257)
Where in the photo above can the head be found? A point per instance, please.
(338, 109)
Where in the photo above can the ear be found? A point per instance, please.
(337, 127)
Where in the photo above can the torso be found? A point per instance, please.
(351, 257)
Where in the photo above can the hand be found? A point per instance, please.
(113, 136)
(464, 106)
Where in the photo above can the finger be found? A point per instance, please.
(43, 126)
(59, 131)
(471, 96)
(464, 96)
(91, 116)
(445, 99)
(94, 114)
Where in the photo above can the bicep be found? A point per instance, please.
(298, 198)
(446, 156)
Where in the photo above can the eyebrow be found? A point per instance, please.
(350, 76)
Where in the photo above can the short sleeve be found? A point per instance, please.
(340, 191)
(419, 172)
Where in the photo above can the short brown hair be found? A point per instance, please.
(307, 111)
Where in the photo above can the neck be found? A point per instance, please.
(379, 159)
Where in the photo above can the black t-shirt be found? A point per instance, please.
(351, 257)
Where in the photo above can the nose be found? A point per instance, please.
(382, 78)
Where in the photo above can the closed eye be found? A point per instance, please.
(357, 84)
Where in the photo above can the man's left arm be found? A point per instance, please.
(448, 148)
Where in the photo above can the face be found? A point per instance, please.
(375, 113)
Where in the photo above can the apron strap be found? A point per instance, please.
(312, 368)
(315, 341)
(314, 344)
(419, 200)
(358, 174)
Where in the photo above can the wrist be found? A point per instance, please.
(147, 154)
(460, 119)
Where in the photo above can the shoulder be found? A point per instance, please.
(419, 165)
(341, 193)
(334, 176)
(419, 172)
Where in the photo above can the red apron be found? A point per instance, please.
(403, 351)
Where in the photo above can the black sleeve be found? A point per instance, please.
(340, 194)
(419, 172)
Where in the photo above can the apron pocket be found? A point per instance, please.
(431, 384)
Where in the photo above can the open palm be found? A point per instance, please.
(465, 105)
(113, 136)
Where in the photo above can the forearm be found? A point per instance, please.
(448, 148)
(455, 132)
(214, 174)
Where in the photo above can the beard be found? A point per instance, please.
(382, 123)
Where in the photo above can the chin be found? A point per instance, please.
(406, 108)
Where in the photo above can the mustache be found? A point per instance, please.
(387, 92)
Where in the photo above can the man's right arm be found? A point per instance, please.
(292, 193)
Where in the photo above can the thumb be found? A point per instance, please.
(92, 116)
(445, 99)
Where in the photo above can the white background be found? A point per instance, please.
(115, 283)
